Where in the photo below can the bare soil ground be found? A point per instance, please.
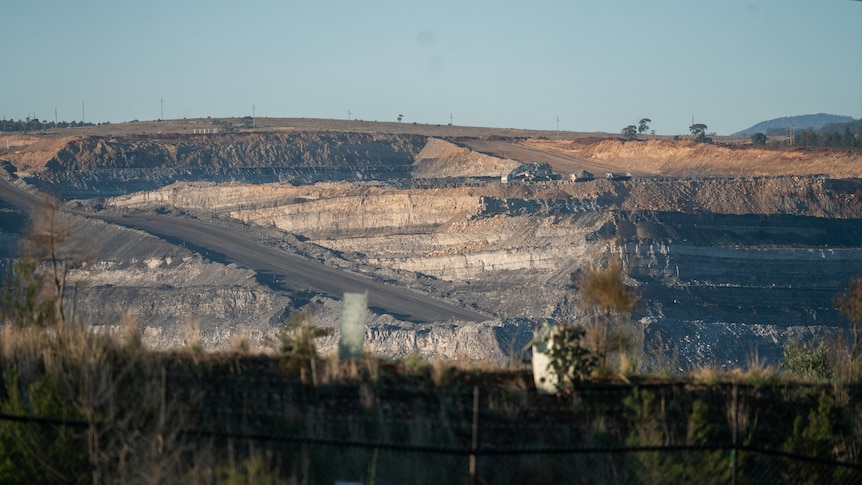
(220, 125)
(675, 158)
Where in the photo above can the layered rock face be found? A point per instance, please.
(727, 267)
(740, 266)
(731, 289)
(89, 167)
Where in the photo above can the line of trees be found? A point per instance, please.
(810, 138)
(631, 131)
(34, 124)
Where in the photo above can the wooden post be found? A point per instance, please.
(734, 452)
(474, 477)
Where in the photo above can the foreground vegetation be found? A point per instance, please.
(80, 407)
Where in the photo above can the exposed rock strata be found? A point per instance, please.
(740, 265)
(87, 167)
(726, 266)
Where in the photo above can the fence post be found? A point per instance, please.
(163, 404)
(734, 451)
(474, 477)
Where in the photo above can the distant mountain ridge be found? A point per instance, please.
(801, 122)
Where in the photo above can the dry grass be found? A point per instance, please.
(108, 370)
(111, 383)
(756, 375)
(188, 126)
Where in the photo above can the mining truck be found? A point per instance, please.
(582, 176)
(531, 172)
(618, 176)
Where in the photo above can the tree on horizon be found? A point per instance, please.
(643, 125)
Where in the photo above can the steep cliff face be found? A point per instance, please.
(237, 151)
(86, 167)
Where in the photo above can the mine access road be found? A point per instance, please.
(293, 271)
(560, 162)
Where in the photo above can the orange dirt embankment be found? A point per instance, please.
(30, 153)
(684, 158)
(441, 159)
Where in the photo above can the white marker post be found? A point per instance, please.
(545, 379)
(354, 313)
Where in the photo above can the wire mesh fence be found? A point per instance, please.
(242, 421)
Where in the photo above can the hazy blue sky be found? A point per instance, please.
(598, 65)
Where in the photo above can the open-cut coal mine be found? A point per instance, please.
(464, 241)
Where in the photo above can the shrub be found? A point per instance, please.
(849, 304)
(609, 300)
(570, 361)
(758, 139)
(24, 303)
(806, 360)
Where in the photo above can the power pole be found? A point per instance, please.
(163, 109)
(253, 123)
(83, 117)
(451, 119)
(791, 130)
(558, 127)
(348, 119)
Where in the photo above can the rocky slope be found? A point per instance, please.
(120, 274)
(86, 167)
(180, 298)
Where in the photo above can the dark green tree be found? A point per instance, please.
(758, 139)
(847, 138)
(698, 130)
(570, 360)
(630, 132)
(643, 125)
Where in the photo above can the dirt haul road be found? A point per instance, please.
(295, 272)
(561, 163)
